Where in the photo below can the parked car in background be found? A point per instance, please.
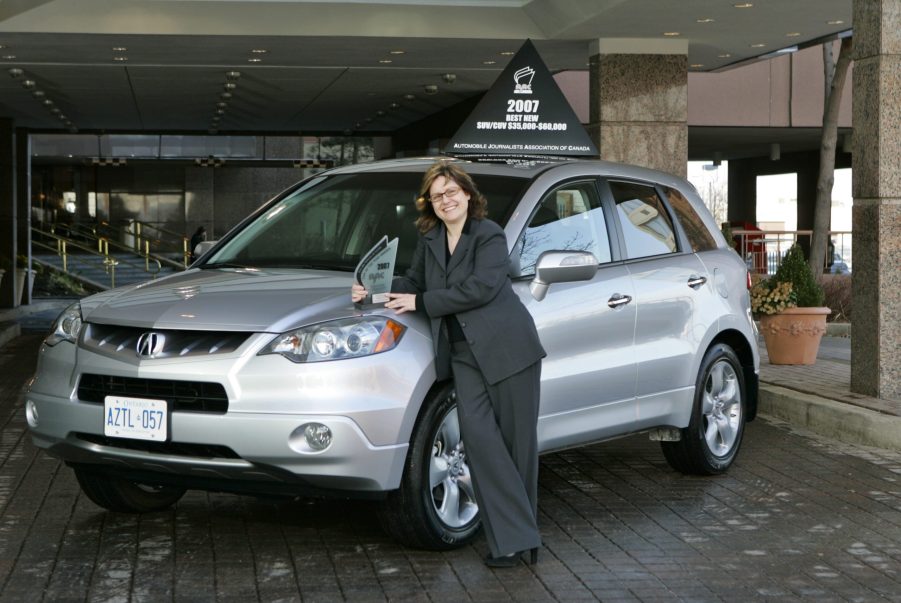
(253, 372)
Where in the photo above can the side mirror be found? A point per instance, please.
(202, 247)
(561, 267)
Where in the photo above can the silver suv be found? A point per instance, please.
(253, 372)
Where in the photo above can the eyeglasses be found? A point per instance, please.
(451, 192)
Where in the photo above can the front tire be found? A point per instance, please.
(435, 507)
(125, 496)
(711, 441)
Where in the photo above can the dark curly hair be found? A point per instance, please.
(478, 205)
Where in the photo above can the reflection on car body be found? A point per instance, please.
(269, 380)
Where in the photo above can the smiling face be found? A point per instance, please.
(449, 200)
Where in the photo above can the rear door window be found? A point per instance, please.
(646, 226)
(698, 234)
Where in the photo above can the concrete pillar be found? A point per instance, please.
(875, 361)
(8, 212)
(23, 204)
(638, 102)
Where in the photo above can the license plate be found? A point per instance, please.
(135, 418)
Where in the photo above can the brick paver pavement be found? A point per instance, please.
(796, 518)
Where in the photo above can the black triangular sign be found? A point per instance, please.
(523, 114)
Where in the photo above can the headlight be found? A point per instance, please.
(338, 339)
(67, 326)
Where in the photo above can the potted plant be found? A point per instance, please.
(791, 312)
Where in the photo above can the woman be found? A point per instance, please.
(486, 339)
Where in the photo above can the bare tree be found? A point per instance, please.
(835, 72)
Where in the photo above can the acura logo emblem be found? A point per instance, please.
(151, 344)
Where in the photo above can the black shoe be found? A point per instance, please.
(513, 559)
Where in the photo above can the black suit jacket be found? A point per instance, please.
(476, 288)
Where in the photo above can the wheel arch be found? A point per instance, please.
(742, 348)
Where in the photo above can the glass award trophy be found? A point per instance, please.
(376, 271)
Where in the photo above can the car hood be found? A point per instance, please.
(227, 299)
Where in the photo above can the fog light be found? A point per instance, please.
(317, 436)
(31, 414)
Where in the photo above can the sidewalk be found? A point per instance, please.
(817, 397)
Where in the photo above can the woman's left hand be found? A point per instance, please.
(401, 302)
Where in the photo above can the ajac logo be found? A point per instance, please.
(523, 79)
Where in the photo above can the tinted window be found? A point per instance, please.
(328, 223)
(568, 218)
(647, 228)
(695, 229)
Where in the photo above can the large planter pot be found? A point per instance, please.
(793, 336)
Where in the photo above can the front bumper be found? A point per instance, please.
(369, 404)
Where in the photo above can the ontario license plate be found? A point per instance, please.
(136, 418)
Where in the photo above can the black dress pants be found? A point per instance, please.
(499, 424)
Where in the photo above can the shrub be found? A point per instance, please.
(837, 290)
(794, 269)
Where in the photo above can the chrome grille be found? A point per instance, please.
(185, 396)
(123, 341)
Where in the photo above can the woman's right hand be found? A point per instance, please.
(358, 293)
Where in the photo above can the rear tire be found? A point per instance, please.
(711, 441)
(125, 496)
(435, 506)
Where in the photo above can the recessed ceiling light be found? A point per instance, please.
(836, 22)
(671, 34)
(489, 62)
(9, 57)
(385, 61)
(507, 53)
(409, 97)
(119, 49)
(724, 55)
(55, 110)
(120, 59)
(47, 102)
(396, 52)
(232, 75)
(28, 84)
(259, 51)
(2, 46)
(705, 20)
(743, 5)
(230, 86)
(380, 113)
(793, 34)
(226, 95)
(220, 111)
(696, 65)
(393, 106)
(37, 93)
(757, 45)
(222, 104)
(254, 60)
(15, 72)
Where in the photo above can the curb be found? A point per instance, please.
(836, 420)
(8, 332)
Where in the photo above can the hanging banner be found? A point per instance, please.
(524, 114)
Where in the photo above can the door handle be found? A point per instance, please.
(695, 281)
(617, 300)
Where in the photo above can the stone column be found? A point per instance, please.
(8, 212)
(876, 341)
(638, 97)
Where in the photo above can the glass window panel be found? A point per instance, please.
(647, 228)
(568, 218)
(698, 235)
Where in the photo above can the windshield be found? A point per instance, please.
(329, 222)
